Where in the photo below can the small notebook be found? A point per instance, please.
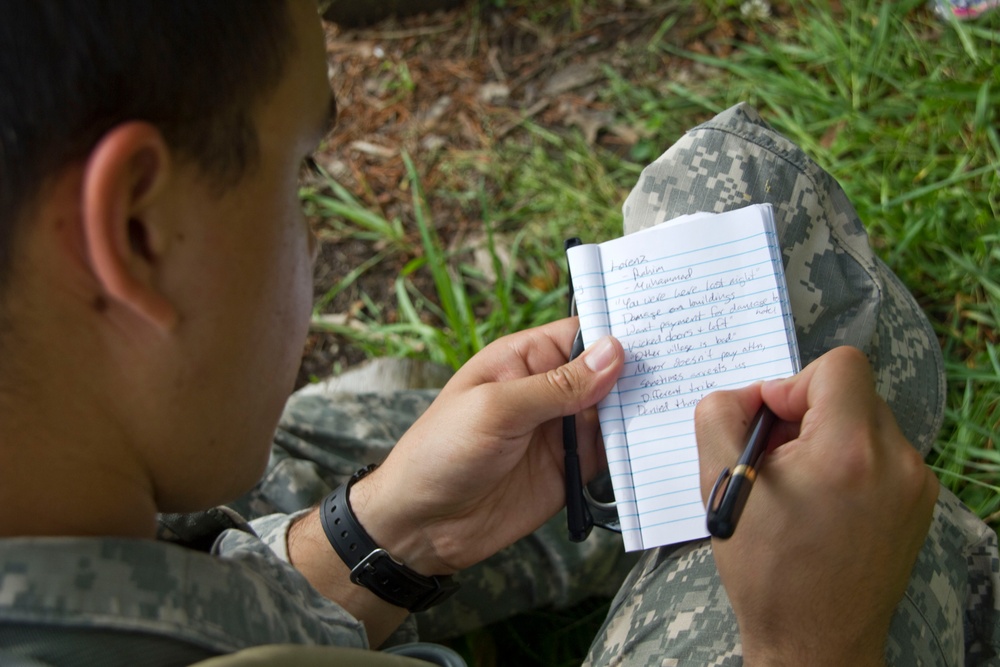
(700, 304)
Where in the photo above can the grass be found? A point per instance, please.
(901, 109)
(899, 106)
(466, 310)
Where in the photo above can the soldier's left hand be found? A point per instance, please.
(484, 465)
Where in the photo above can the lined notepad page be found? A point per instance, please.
(699, 305)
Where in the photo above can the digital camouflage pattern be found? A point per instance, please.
(94, 601)
(673, 610)
(109, 601)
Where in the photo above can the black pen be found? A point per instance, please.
(723, 514)
(578, 517)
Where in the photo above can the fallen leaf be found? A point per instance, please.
(494, 93)
(571, 77)
(590, 122)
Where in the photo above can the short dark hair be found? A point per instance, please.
(70, 70)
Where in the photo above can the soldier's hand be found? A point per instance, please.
(837, 516)
(484, 465)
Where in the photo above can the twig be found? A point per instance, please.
(405, 33)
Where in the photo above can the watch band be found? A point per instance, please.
(372, 566)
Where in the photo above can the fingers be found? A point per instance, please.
(833, 395)
(721, 420)
(564, 390)
(839, 382)
(837, 517)
(523, 353)
(848, 439)
(834, 399)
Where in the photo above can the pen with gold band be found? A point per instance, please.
(734, 487)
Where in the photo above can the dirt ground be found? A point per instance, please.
(448, 88)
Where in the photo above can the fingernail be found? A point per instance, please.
(599, 355)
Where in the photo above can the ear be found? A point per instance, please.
(124, 218)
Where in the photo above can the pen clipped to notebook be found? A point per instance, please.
(578, 517)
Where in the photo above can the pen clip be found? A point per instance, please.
(723, 512)
(714, 499)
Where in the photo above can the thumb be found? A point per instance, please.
(566, 389)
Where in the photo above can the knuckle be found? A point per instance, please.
(717, 408)
(914, 470)
(562, 381)
(856, 459)
(847, 355)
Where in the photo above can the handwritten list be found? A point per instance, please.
(699, 304)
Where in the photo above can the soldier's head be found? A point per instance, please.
(70, 71)
(150, 231)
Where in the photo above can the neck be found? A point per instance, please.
(64, 472)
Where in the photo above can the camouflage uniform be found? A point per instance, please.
(110, 601)
(86, 601)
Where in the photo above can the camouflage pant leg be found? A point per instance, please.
(673, 610)
(322, 440)
(841, 293)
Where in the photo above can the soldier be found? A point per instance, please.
(156, 290)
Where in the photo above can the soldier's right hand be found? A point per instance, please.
(840, 509)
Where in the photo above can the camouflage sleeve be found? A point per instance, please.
(273, 531)
(297, 612)
(542, 570)
(81, 600)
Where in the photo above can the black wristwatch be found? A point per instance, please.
(372, 566)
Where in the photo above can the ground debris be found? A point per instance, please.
(445, 89)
